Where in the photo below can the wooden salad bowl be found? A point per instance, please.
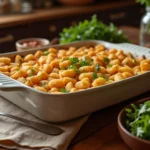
(132, 141)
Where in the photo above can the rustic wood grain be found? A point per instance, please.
(103, 118)
(107, 138)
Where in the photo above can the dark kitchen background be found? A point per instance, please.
(46, 18)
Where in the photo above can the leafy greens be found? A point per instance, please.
(138, 120)
(92, 29)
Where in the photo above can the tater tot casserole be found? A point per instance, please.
(73, 69)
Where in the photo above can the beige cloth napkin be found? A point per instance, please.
(15, 135)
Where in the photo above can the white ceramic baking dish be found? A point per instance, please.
(63, 107)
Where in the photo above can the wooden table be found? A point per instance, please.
(100, 131)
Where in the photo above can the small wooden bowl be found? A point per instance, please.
(132, 141)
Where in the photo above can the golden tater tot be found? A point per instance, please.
(68, 73)
(5, 60)
(98, 82)
(58, 83)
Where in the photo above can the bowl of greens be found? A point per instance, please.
(134, 125)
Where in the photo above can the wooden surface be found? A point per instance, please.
(59, 12)
(100, 132)
(105, 139)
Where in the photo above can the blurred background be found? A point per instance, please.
(46, 18)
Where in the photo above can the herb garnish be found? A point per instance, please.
(103, 76)
(109, 65)
(43, 83)
(138, 120)
(30, 74)
(18, 68)
(46, 53)
(94, 76)
(75, 68)
(86, 62)
(74, 60)
(134, 61)
(63, 90)
(106, 60)
(62, 68)
(32, 70)
(97, 67)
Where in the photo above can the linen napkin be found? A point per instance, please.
(15, 135)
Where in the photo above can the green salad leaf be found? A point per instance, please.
(92, 30)
(138, 120)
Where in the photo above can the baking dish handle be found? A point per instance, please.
(9, 84)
